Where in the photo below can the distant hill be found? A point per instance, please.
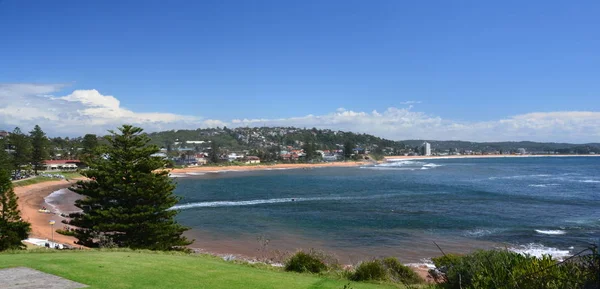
(268, 137)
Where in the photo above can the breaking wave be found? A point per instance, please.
(403, 165)
(551, 232)
(539, 250)
(178, 175)
(544, 185)
(265, 201)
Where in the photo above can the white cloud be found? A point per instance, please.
(82, 111)
(88, 111)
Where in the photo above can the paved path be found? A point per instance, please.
(26, 278)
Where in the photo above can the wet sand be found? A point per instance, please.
(31, 199)
(266, 167)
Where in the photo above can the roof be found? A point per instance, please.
(253, 158)
(56, 162)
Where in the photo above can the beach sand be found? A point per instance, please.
(266, 167)
(31, 199)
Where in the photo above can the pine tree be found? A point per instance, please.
(215, 152)
(21, 147)
(89, 143)
(5, 160)
(12, 228)
(128, 197)
(39, 148)
(348, 149)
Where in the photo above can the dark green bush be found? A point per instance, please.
(388, 269)
(306, 262)
(370, 270)
(66, 232)
(398, 272)
(504, 270)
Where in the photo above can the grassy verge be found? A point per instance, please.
(31, 181)
(41, 179)
(141, 269)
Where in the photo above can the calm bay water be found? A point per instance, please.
(538, 205)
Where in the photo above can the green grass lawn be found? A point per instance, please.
(40, 179)
(132, 269)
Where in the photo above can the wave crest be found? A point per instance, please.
(539, 250)
(551, 232)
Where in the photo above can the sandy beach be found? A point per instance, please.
(31, 199)
(205, 169)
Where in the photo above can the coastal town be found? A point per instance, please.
(271, 145)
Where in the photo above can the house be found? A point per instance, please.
(201, 158)
(160, 155)
(252, 160)
(62, 165)
(4, 134)
(232, 157)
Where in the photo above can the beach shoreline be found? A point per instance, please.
(31, 199)
(289, 166)
(262, 167)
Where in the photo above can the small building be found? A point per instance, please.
(232, 157)
(252, 160)
(62, 165)
(4, 134)
(160, 155)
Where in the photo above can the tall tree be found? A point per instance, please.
(215, 152)
(12, 228)
(39, 148)
(128, 197)
(89, 144)
(310, 150)
(348, 149)
(5, 161)
(21, 147)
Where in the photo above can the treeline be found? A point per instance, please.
(29, 151)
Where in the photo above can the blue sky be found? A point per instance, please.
(432, 66)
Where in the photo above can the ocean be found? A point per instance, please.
(535, 205)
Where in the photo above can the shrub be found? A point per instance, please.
(370, 270)
(305, 262)
(388, 269)
(66, 232)
(504, 269)
(400, 272)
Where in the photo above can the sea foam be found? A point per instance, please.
(539, 250)
(551, 232)
(53, 198)
(178, 175)
(266, 201)
(403, 165)
(589, 181)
